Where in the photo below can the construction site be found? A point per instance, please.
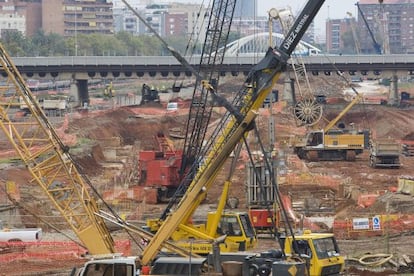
(272, 172)
(324, 196)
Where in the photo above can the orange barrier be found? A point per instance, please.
(11, 251)
(375, 226)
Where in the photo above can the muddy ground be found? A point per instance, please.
(134, 128)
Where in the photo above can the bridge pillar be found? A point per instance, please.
(289, 91)
(393, 98)
(79, 91)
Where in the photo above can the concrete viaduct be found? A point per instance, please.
(80, 69)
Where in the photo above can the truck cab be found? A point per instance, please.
(321, 251)
(119, 266)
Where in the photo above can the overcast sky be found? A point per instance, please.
(333, 9)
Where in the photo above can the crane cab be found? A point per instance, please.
(236, 227)
(335, 144)
(198, 237)
(239, 230)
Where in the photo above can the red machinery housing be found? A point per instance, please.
(159, 170)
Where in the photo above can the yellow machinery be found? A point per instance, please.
(235, 125)
(332, 143)
(47, 159)
(109, 91)
(320, 250)
(52, 167)
(199, 237)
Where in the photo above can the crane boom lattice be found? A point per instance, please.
(38, 145)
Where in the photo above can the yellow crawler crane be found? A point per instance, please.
(47, 159)
(331, 142)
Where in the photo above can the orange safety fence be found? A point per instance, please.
(384, 225)
(11, 251)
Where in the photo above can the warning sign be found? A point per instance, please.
(376, 223)
(360, 224)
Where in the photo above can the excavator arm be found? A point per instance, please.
(234, 126)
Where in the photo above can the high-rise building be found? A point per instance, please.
(392, 24)
(71, 17)
(388, 26)
(23, 16)
(166, 19)
(335, 28)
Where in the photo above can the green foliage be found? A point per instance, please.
(15, 43)
(120, 44)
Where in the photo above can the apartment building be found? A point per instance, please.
(166, 19)
(70, 17)
(335, 28)
(392, 23)
(22, 16)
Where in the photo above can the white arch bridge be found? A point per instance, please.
(257, 44)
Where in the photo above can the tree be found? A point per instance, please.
(120, 44)
(50, 44)
(15, 43)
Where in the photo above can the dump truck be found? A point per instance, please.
(384, 153)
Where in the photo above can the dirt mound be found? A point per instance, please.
(129, 124)
(382, 121)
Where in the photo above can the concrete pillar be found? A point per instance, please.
(79, 92)
(83, 92)
(73, 92)
(393, 98)
(289, 91)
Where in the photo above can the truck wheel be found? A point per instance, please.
(264, 270)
